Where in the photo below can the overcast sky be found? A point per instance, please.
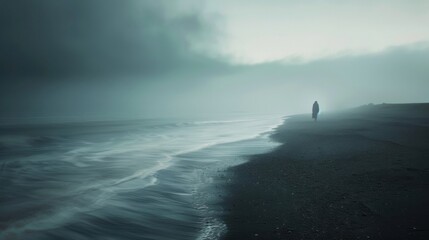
(259, 31)
(146, 58)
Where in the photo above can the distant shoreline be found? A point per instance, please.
(361, 173)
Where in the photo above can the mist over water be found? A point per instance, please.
(148, 179)
(89, 62)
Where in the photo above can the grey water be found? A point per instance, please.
(140, 179)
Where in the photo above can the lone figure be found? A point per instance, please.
(315, 110)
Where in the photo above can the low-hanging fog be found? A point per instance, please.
(142, 58)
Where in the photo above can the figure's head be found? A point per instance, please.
(315, 101)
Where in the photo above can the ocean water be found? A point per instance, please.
(142, 179)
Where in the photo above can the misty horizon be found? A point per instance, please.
(214, 119)
(145, 59)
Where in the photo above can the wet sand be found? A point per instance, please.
(356, 174)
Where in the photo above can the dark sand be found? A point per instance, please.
(357, 174)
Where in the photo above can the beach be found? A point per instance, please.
(361, 173)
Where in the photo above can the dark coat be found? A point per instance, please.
(315, 109)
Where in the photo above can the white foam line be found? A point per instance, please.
(63, 214)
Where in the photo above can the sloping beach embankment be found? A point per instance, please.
(356, 174)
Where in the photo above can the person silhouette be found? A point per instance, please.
(315, 110)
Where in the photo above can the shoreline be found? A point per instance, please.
(355, 174)
(151, 176)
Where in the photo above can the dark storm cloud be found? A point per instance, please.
(137, 58)
(48, 39)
